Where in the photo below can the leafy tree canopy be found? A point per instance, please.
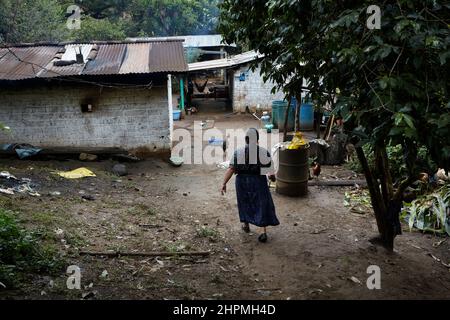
(45, 20)
(390, 85)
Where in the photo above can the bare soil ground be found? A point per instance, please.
(319, 246)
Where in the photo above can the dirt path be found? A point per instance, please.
(317, 248)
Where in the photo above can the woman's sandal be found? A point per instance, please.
(246, 227)
(262, 237)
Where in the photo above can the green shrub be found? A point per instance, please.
(21, 251)
(396, 163)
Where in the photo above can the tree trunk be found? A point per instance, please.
(385, 227)
(286, 115)
(318, 122)
(297, 114)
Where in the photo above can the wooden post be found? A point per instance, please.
(170, 106)
(182, 94)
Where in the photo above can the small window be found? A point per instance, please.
(87, 107)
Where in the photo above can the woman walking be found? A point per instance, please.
(254, 200)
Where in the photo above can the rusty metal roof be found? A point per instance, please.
(136, 59)
(167, 56)
(37, 61)
(70, 54)
(108, 60)
(18, 63)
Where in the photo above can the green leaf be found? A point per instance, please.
(383, 83)
(409, 120)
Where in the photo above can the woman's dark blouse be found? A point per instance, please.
(250, 160)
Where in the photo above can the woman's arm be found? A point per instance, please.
(227, 178)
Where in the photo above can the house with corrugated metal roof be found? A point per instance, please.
(90, 95)
(244, 86)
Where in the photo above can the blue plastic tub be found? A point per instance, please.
(176, 115)
(306, 117)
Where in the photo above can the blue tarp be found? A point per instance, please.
(23, 150)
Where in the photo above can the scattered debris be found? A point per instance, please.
(59, 233)
(77, 173)
(334, 237)
(441, 176)
(319, 231)
(120, 170)
(208, 124)
(88, 295)
(90, 285)
(88, 197)
(7, 175)
(447, 265)
(319, 142)
(264, 293)
(6, 191)
(355, 280)
(104, 274)
(54, 193)
(316, 291)
(88, 157)
(140, 286)
(9, 184)
(438, 243)
(358, 200)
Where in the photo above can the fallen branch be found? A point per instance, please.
(337, 183)
(150, 226)
(146, 254)
(266, 289)
(439, 260)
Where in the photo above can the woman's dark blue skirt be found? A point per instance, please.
(254, 200)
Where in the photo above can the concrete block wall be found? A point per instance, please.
(253, 91)
(52, 117)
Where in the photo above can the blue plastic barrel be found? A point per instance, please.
(278, 113)
(306, 117)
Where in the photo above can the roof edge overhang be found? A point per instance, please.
(64, 43)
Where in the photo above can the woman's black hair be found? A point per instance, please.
(251, 134)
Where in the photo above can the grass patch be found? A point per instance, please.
(175, 247)
(210, 233)
(142, 209)
(8, 203)
(21, 252)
